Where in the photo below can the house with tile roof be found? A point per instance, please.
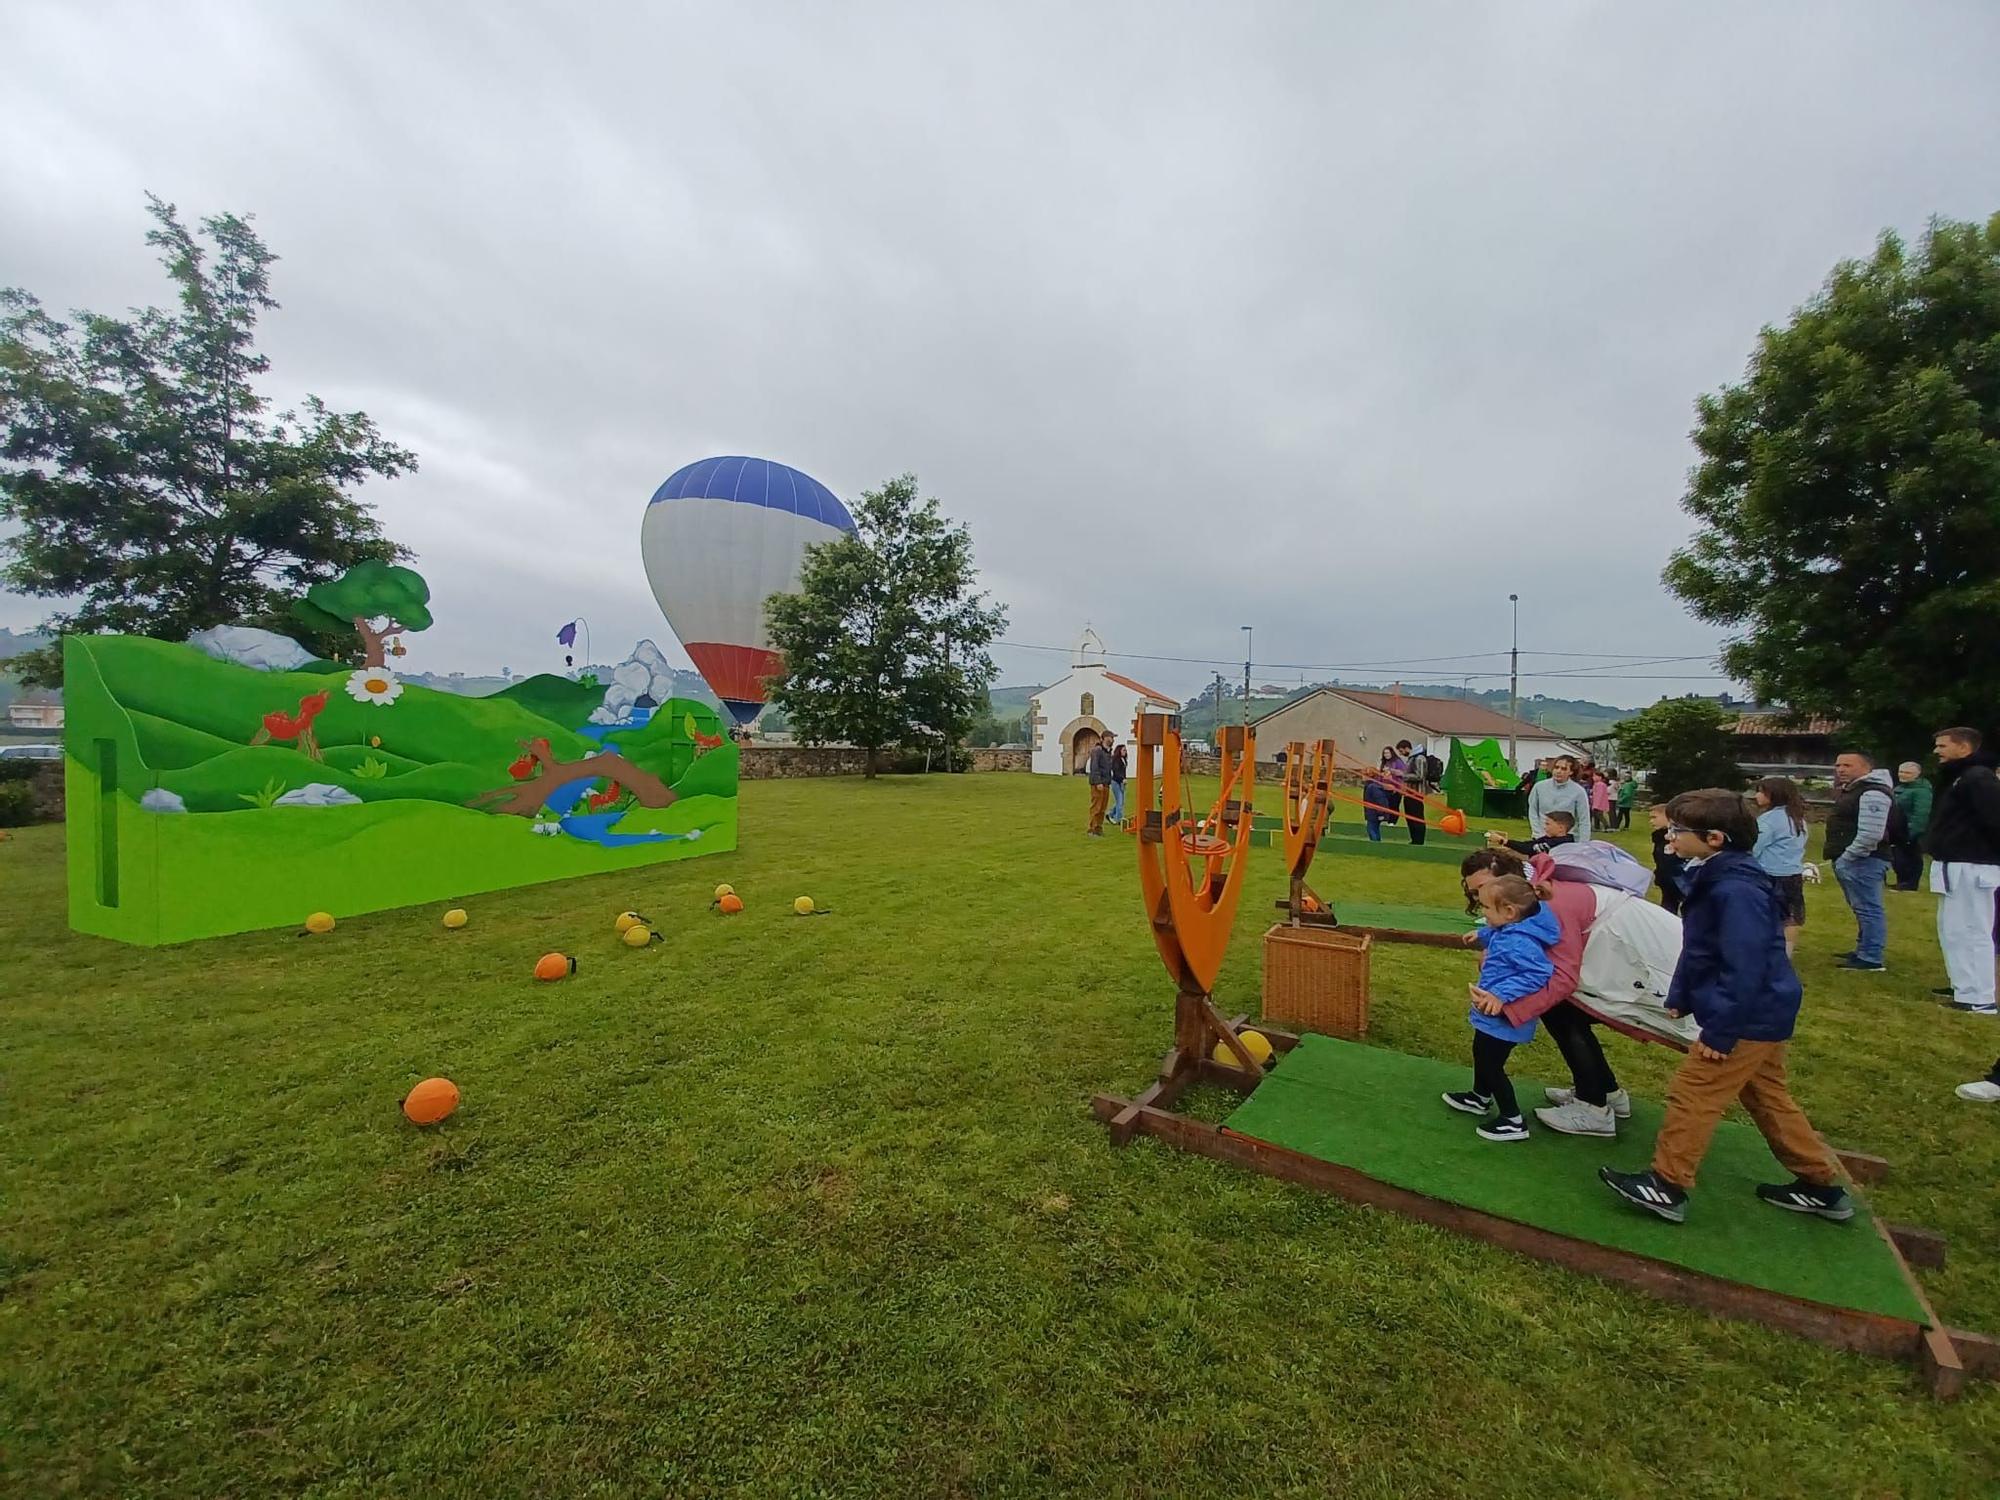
(1067, 718)
(1362, 721)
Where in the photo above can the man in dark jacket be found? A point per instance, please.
(1964, 843)
(1735, 979)
(1097, 770)
(1863, 827)
(1417, 780)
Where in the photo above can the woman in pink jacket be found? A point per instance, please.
(1594, 1102)
(1600, 801)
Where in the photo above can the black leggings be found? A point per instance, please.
(1489, 1073)
(1570, 1027)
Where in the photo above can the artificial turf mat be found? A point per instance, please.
(1379, 1112)
(1405, 918)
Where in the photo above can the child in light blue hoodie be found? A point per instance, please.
(1516, 937)
(1780, 851)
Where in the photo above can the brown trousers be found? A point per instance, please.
(1702, 1091)
(1100, 799)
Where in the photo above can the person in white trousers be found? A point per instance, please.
(1964, 841)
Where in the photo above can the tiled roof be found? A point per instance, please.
(1141, 689)
(1452, 716)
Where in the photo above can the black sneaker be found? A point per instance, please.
(1647, 1190)
(1976, 1007)
(1803, 1197)
(1862, 964)
(1513, 1128)
(1469, 1102)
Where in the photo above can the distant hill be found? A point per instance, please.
(1012, 702)
(13, 643)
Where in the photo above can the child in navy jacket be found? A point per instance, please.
(1558, 828)
(1516, 938)
(1735, 978)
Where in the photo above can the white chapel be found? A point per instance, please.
(1067, 717)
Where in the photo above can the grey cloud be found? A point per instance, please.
(1344, 325)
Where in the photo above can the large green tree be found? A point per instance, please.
(1683, 743)
(147, 487)
(885, 641)
(1848, 496)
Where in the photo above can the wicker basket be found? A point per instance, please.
(1316, 979)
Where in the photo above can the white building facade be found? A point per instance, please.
(1067, 718)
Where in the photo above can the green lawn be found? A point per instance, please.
(816, 1206)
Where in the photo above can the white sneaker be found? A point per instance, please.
(1618, 1101)
(1578, 1118)
(1985, 1091)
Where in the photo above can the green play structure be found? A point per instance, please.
(1481, 782)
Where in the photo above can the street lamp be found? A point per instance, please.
(1514, 687)
(1248, 637)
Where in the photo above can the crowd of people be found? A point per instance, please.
(1731, 872)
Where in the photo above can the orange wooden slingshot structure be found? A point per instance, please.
(1191, 875)
(1309, 798)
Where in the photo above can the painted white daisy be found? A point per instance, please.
(377, 685)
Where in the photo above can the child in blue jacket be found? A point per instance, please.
(1516, 938)
(1736, 979)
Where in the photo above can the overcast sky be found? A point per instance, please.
(1339, 321)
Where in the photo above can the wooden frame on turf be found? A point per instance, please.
(1190, 925)
(1405, 935)
(1946, 1356)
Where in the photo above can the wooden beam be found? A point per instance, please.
(1836, 1327)
(1978, 1352)
(1920, 1247)
(1937, 1357)
(1402, 935)
(1862, 1167)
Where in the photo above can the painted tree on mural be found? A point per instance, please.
(374, 600)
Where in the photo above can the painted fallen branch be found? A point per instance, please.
(525, 798)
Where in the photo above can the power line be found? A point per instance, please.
(1613, 661)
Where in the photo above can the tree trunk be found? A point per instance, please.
(525, 799)
(372, 642)
(868, 766)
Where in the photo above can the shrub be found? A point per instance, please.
(17, 803)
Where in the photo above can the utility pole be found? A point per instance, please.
(1249, 637)
(1514, 687)
(947, 700)
(1215, 729)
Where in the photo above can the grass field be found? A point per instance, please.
(815, 1206)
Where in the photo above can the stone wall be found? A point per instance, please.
(782, 762)
(999, 759)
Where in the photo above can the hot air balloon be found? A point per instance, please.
(720, 537)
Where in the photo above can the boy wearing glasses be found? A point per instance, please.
(1736, 980)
